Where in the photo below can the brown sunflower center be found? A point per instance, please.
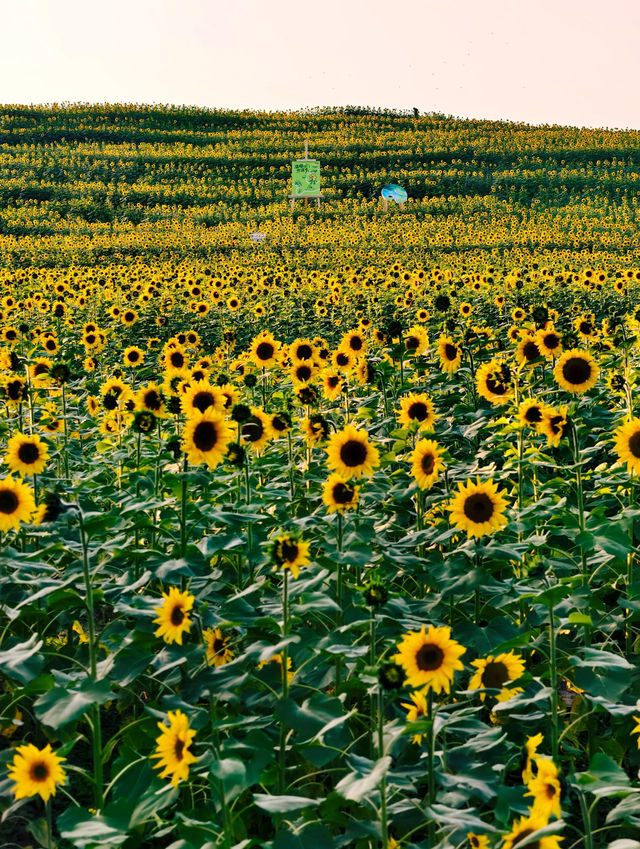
(342, 359)
(9, 501)
(634, 443)
(152, 400)
(202, 400)
(450, 351)
(264, 351)
(576, 370)
(496, 386)
(551, 340)
(177, 615)
(557, 425)
(494, 675)
(289, 550)
(205, 436)
(252, 429)
(179, 749)
(353, 453)
(342, 493)
(525, 833)
(533, 415)
(412, 343)
(177, 359)
(28, 453)
(333, 381)
(218, 645)
(418, 410)
(530, 351)
(550, 790)
(14, 390)
(133, 356)
(355, 343)
(478, 507)
(586, 328)
(303, 372)
(303, 352)
(39, 771)
(427, 463)
(429, 657)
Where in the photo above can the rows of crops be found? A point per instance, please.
(326, 540)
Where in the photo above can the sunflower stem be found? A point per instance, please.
(586, 821)
(47, 808)
(554, 685)
(430, 762)
(630, 570)
(285, 681)
(340, 530)
(95, 710)
(580, 498)
(291, 485)
(247, 481)
(384, 828)
(183, 509)
(65, 432)
(226, 817)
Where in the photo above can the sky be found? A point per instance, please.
(572, 62)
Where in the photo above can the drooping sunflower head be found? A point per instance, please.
(555, 425)
(173, 748)
(427, 462)
(450, 354)
(478, 508)
(531, 413)
(525, 827)
(217, 647)
(16, 503)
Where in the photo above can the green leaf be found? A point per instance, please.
(22, 661)
(232, 775)
(358, 784)
(283, 804)
(60, 706)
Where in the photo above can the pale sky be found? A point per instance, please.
(571, 62)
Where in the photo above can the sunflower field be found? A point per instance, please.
(317, 530)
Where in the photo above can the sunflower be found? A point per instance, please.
(530, 750)
(175, 359)
(627, 444)
(478, 508)
(426, 463)
(478, 841)
(545, 789)
(36, 772)
(315, 428)
(576, 371)
(332, 383)
(430, 658)
(202, 397)
(290, 552)
(528, 350)
(493, 381)
(14, 389)
(173, 748)
(555, 425)
(494, 672)
(354, 342)
(549, 342)
(417, 408)
(264, 350)
(450, 354)
(527, 826)
(205, 437)
(301, 350)
(530, 413)
(133, 356)
(415, 709)
(218, 651)
(173, 615)
(303, 372)
(350, 453)
(416, 340)
(149, 398)
(280, 423)
(256, 429)
(129, 317)
(339, 495)
(16, 503)
(26, 454)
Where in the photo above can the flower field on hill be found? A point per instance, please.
(327, 540)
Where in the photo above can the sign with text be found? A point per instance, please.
(305, 178)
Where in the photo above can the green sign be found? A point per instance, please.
(305, 178)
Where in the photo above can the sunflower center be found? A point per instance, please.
(429, 657)
(412, 343)
(152, 400)
(586, 328)
(333, 381)
(356, 343)
(551, 340)
(218, 646)
(533, 415)
(342, 493)
(496, 386)
(530, 351)
(342, 359)
(8, 501)
(427, 463)
(179, 749)
(478, 507)
(110, 401)
(353, 453)
(205, 436)
(28, 453)
(202, 400)
(303, 352)
(550, 791)
(450, 351)
(264, 351)
(39, 771)
(177, 615)
(177, 360)
(557, 425)
(289, 550)
(494, 675)
(418, 410)
(252, 429)
(525, 833)
(303, 372)
(634, 443)
(14, 390)
(576, 370)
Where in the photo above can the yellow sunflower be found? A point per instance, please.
(478, 841)
(16, 503)
(26, 454)
(527, 826)
(426, 463)
(528, 350)
(416, 708)
(257, 429)
(264, 350)
(530, 750)
(430, 658)
(531, 413)
(200, 397)
(332, 383)
(493, 380)
(149, 398)
(339, 495)
(545, 789)
(36, 772)
(576, 371)
(172, 748)
(218, 651)
(549, 343)
(450, 354)
(133, 356)
(350, 453)
(417, 408)
(627, 444)
(290, 552)
(205, 437)
(173, 615)
(416, 340)
(492, 673)
(554, 425)
(478, 508)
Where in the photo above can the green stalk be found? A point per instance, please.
(580, 497)
(226, 814)
(65, 431)
(291, 486)
(339, 592)
(285, 682)
(430, 763)
(383, 782)
(249, 525)
(554, 685)
(95, 710)
(586, 821)
(47, 808)
(630, 570)
(183, 509)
